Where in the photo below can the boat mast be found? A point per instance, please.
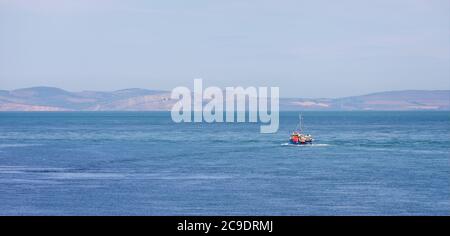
(301, 122)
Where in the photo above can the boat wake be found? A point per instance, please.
(306, 145)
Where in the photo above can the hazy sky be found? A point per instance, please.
(307, 48)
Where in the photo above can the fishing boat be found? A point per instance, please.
(298, 137)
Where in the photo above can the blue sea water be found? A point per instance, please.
(141, 163)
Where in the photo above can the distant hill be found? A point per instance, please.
(392, 100)
(135, 99)
(55, 99)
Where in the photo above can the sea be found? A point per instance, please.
(142, 163)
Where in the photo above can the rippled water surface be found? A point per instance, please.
(141, 163)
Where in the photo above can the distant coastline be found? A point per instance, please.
(135, 99)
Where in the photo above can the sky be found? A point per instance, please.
(307, 48)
